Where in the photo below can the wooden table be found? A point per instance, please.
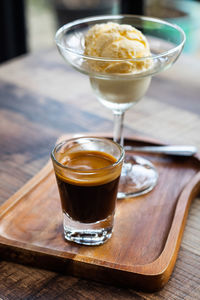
(40, 99)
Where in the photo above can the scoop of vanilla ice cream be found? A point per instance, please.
(117, 41)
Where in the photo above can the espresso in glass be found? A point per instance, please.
(87, 172)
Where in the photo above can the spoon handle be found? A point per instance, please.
(170, 150)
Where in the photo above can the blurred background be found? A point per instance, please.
(30, 25)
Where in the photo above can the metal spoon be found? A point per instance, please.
(170, 150)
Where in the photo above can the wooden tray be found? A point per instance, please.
(147, 231)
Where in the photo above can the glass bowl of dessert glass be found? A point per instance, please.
(120, 54)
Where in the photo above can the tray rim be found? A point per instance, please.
(159, 269)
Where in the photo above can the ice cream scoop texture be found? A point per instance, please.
(117, 41)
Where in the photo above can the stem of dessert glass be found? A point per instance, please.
(118, 127)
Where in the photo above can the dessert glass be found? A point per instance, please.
(119, 92)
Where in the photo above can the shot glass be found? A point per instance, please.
(87, 171)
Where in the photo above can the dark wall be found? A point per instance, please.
(12, 29)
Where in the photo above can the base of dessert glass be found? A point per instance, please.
(138, 177)
(91, 234)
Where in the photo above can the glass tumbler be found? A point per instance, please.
(87, 171)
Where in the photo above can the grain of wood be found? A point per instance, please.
(36, 108)
(152, 223)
